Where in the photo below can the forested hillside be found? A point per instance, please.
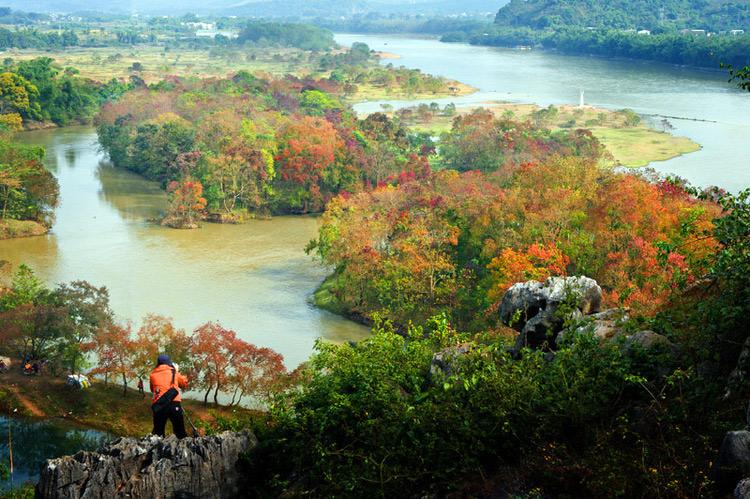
(620, 14)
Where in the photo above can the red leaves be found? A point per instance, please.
(186, 200)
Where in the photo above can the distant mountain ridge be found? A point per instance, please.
(262, 8)
(626, 14)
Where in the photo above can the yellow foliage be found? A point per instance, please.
(13, 121)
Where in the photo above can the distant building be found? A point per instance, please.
(693, 31)
(644, 32)
(210, 33)
(201, 26)
(737, 31)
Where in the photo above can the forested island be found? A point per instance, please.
(622, 377)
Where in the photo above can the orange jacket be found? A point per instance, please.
(161, 380)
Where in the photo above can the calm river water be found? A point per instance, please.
(253, 278)
(536, 77)
(36, 441)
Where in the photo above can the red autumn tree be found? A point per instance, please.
(256, 372)
(215, 351)
(306, 162)
(186, 203)
(115, 352)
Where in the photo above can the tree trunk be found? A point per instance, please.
(124, 385)
(233, 396)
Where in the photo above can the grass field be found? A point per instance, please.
(156, 62)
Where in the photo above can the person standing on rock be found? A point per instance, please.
(165, 382)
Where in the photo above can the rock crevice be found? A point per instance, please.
(203, 467)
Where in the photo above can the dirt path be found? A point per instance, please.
(28, 404)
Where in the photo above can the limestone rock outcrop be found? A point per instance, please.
(534, 310)
(442, 360)
(153, 467)
(531, 307)
(732, 463)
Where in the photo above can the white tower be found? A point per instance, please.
(580, 103)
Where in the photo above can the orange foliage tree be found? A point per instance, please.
(186, 203)
(305, 162)
(115, 351)
(455, 242)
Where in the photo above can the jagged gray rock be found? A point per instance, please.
(732, 463)
(742, 490)
(604, 325)
(531, 307)
(442, 360)
(153, 467)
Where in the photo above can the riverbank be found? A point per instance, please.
(101, 407)
(631, 145)
(10, 228)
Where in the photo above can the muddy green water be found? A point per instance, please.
(35, 441)
(253, 278)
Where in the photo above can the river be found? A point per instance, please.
(254, 278)
(35, 441)
(526, 76)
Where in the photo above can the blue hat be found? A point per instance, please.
(164, 359)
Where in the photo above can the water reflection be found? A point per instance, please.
(70, 156)
(128, 193)
(36, 441)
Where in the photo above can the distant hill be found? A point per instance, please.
(626, 14)
(261, 8)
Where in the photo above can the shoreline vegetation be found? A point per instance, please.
(10, 228)
(631, 142)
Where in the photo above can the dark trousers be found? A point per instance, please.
(172, 412)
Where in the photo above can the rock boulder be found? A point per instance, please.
(203, 467)
(732, 463)
(531, 308)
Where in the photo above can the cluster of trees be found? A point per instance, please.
(400, 24)
(592, 419)
(70, 323)
(28, 191)
(479, 141)
(257, 143)
(37, 39)
(18, 17)
(619, 14)
(673, 48)
(301, 36)
(39, 89)
(378, 418)
(523, 209)
(37, 322)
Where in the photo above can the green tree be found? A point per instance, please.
(88, 312)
